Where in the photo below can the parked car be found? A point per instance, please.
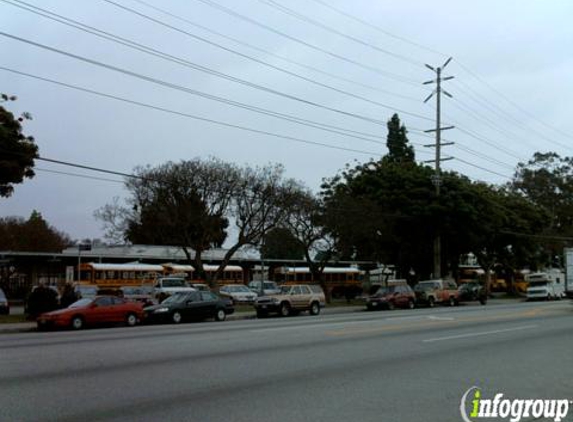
(4, 305)
(93, 311)
(269, 287)
(185, 306)
(166, 286)
(238, 293)
(201, 287)
(398, 295)
(143, 294)
(432, 292)
(292, 299)
(471, 291)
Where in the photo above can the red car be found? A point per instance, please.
(93, 311)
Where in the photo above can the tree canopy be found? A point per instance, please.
(17, 151)
(32, 235)
(191, 204)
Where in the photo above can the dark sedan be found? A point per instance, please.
(400, 295)
(185, 306)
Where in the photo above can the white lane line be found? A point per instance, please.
(483, 333)
(439, 318)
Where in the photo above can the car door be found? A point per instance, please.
(209, 304)
(400, 298)
(298, 298)
(101, 311)
(192, 306)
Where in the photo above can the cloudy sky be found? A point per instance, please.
(318, 78)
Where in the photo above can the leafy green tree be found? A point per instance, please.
(17, 151)
(32, 235)
(279, 243)
(191, 204)
(397, 142)
(547, 181)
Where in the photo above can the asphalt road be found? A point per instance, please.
(366, 366)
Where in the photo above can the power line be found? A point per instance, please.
(131, 44)
(511, 102)
(167, 84)
(377, 28)
(262, 62)
(306, 44)
(278, 56)
(81, 176)
(187, 115)
(332, 30)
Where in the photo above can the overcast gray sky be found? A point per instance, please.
(345, 64)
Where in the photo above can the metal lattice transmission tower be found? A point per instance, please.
(436, 178)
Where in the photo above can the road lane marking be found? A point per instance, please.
(482, 333)
(438, 318)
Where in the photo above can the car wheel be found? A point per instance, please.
(391, 305)
(314, 308)
(220, 315)
(411, 304)
(452, 301)
(131, 320)
(431, 302)
(77, 322)
(285, 309)
(176, 317)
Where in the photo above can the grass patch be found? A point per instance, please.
(342, 302)
(242, 308)
(10, 319)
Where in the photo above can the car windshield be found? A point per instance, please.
(239, 289)
(537, 283)
(176, 298)
(285, 289)
(174, 282)
(81, 303)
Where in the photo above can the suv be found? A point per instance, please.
(431, 292)
(291, 300)
(166, 286)
(390, 297)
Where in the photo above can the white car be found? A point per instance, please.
(238, 293)
(269, 287)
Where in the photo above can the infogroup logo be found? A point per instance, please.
(499, 407)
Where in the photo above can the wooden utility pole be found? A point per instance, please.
(436, 179)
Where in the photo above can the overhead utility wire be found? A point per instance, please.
(479, 117)
(332, 30)
(262, 62)
(183, 62)
(500, 111)
(306, 44)
(278, 56)
(513, 103)
(377, 28)
(71, 55)
(188, 115)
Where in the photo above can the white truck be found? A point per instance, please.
(166, 286)
(546, 285)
